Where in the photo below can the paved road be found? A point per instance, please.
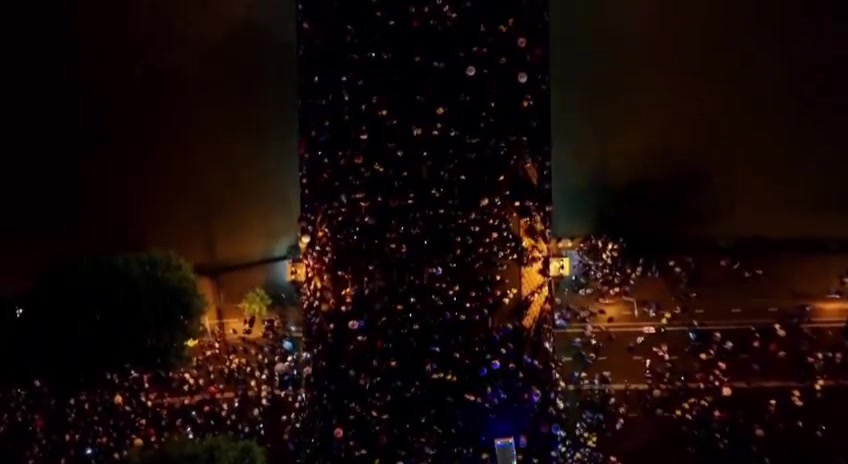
(727, 296)
(706, 308)
(626, 358)
(742, 305)
(622, 355)
(731, 297)
(649, 437)
(751, 288)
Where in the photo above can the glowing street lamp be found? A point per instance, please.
(297, 272)
(560, 267)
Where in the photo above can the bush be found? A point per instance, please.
(213, 450)
(255, 303)
(103, 313)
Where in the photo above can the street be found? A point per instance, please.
(814, 433)
(719, 288)
(729, 340)
(625, 358)
(707, 309)
(735, 348)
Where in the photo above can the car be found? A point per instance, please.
(604, 300)
(648, 329)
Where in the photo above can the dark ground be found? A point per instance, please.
(651, 438)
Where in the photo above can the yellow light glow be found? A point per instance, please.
(297, 272)
(560, 266)
(534, 288)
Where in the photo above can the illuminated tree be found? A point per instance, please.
(213, 450)
(255, 303)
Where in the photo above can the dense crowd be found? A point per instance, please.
(245, 388)
(250, 387)
(755, 391)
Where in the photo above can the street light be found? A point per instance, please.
(297, 272)
(560, 266)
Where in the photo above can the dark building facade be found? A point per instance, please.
(425, 216)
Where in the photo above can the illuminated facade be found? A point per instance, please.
(425, 186)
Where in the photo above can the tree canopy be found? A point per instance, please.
(133, 309)
(255, 303)
(213, 450)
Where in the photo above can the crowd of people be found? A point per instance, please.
(754, 391)
(246, 388)
(250, 387)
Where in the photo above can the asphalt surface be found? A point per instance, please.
(713, 308)
(624, 352)
(735, 304)
(749, 353)
(813, 433)
(729, 288)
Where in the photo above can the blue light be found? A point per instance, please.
(505, 451)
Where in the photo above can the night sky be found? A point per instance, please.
(142, 124)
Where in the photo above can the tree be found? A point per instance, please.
(255, 303)
(212, 450)
(107, 312)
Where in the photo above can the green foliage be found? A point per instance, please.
(134, 309)
(256, 303)
(213, 450)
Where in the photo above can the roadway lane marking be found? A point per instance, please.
(822, 323)
(699, 311)
(816, 323)
(773, 310)
(732, 385)
(736, 310)
(601, 358)
(637, 357)
(568, 358)
(674, 323)
(633, 302)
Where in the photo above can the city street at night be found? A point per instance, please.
(753, 353)
(782, 432)
(425, 232)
